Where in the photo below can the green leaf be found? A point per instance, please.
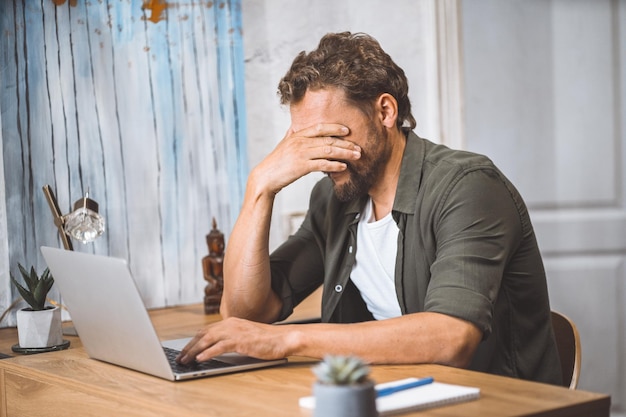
(30, 283)
(39, 296)
(36, 289)
(33, 276)
(341, 370)
(25, 293)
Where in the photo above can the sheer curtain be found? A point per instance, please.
(142, 104)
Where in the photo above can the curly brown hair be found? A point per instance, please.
(355, 63)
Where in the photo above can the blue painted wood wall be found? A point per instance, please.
(142, 103)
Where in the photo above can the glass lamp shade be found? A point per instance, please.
(84, 223)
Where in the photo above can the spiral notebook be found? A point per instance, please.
(435, 394)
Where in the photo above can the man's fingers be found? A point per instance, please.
(325, 165)
(196, 345)
(322, 141)
(324, 147)
(353, 152)
(234, 335)
(321, 130)
(213, 350)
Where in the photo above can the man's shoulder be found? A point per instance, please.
(425, 160)
(439, 155)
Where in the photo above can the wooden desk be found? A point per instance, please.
(68, 383)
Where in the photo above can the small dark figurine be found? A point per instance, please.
(212, 267)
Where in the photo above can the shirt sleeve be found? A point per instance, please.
(297, 266)
(477, 229)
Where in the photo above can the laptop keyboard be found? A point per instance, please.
(193, 366)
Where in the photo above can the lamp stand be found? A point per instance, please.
(58, 217)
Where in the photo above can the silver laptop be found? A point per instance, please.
(113, 324)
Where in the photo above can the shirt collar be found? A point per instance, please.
(410, 175)
(408, 182)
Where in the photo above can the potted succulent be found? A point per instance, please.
(343, 388)
(38, 326)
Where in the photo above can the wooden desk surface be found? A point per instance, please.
(69, 383)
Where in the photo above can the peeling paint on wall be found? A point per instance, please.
(157, 9)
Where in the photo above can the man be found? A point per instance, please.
(447, 268)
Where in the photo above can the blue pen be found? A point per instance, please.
(391, 390)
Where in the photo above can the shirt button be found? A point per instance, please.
(350, 249)
(338, 288)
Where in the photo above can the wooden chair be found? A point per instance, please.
(568, 345)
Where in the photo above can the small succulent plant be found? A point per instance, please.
(36, 289)
(341, 370)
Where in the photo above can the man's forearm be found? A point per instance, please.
(247, 283)
(414, 338)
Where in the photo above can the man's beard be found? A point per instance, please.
(364, 173)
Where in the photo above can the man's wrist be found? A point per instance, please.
(294, 340)
(259, 189)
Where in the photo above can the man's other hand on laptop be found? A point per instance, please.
(258, 340)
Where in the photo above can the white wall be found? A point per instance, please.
(275, 31)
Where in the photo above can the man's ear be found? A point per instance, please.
(387, 108)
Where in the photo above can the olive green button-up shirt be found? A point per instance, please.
(466, 248)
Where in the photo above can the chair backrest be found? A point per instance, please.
(568, 345)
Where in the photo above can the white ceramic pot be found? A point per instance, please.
(39, 329)
(345, 400)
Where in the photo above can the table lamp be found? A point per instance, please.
(84, 223)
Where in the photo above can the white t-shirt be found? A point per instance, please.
(374, 270)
